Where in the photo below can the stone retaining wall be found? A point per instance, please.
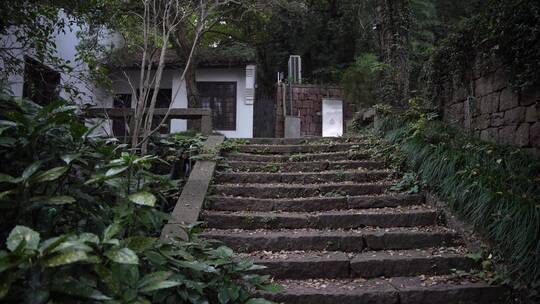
(307, 104)
(494, 111)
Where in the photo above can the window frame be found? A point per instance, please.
(234, 113)
(122, 101)
(44, 89)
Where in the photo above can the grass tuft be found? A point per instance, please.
(495, 188)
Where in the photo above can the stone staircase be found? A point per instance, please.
(319, 214)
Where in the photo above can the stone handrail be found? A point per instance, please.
(190, 202)
(205, 115)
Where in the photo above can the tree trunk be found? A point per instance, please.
(393, 18)
(191, 88)
(183, 45)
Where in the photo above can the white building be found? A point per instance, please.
(226, 86)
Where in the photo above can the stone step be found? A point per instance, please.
(314, 166)
(371, 264)
(335, 240)
(302, 148)
(309, 204)
(304, 177)
(277, 158)
(340, 219)
(396, 290)
(299, 190)
(303, 140)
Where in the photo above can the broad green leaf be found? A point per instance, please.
(234, 292)
(51, 174)
(7, 141)
(69, 158)
(116, 182)
(140, 243)
(272, 288)
(73, 287)
(72, 245)
(144, 159)
(20, 234)
(257, 267)
(155, 281)
(143, 198)
(7, 123)
(154, 277)
(176, 252)
(155, 258)
(116, 170)
(245, 264)
(196, 265)
(255, 279)
(111, 231)
(65, 258)
(125, 274)
(54, 200)
(223, 295)
(87, 237)
(30, 170)
(114, 242)
(195, 285)
(122, 256)
(477, 257)
(6, 193)
(223, 252)
(51, 244)
(2, 129)
(160, 285)
(4, 178)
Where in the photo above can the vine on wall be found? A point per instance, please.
(505, 33)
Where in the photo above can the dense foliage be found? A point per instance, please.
(360, 80)
(504, 34)
(495, 188)
(82, 218)
(333, 37)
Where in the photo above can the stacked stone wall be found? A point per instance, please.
(494, 111)
(307, 104)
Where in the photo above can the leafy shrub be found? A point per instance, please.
(82, 217)
(360, 81)
(90, 268)
(408, 184)
(495, 188)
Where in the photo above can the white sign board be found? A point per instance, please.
(332, 118)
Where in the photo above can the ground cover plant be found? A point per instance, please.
(495, 188)
(81, 218)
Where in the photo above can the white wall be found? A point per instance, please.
(244, 112)
(171, 80)
(179, 101)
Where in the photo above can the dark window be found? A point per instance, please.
(221, 98)
(120, 125)
(40, 82)
(164, 99)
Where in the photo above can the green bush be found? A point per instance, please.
(495, 188)
(82, 216)
(360, 81)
